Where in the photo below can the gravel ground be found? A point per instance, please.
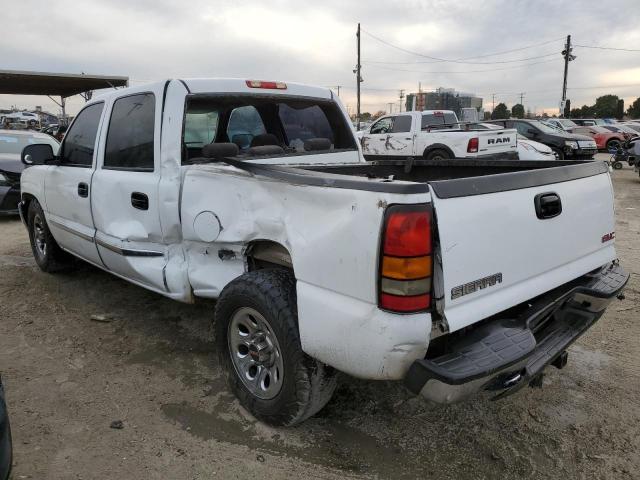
(151, 366)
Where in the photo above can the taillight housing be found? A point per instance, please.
(406, 266)
(472, 146)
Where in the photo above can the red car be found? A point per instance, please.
(605, 139)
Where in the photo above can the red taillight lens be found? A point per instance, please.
(263, 84)
(405, 304)
(472, 146)
(405, 264)
(407, 233)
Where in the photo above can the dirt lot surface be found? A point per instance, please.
(152, 367)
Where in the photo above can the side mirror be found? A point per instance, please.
(37, 154)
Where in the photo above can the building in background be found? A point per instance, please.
(443, 99)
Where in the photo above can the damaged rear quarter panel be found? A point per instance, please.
(332, 235)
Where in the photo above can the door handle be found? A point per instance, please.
(548, 205)
(83, 190)
(140, 201)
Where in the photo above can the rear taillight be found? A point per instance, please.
(406, 264)
(268, 85)
(472, 146)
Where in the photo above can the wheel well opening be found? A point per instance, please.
(267, 254)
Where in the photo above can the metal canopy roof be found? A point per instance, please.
(58, 84)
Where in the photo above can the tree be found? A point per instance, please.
(634, 109)
(365, 117)
(378, 114)
(606, 106)
(517, 110)
(583, 112)
(501, 111)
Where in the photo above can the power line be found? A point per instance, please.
(437, 59)
(608, 48)
(471, 63)
(463, 71)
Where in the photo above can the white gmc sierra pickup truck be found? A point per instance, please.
(458, 278)
(435, 135)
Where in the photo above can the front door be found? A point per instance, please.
(68, 185)
(389, 136)
(125, 189)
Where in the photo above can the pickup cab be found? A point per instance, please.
(458, 277)
(434, 135)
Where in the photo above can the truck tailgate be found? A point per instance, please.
(497, 141)
(495, 250)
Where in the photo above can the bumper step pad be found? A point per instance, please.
(525, 345)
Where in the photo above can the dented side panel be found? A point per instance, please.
(332, 235)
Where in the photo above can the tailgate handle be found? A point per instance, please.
(548, 205)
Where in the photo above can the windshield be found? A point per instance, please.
(567, 123)
(543, 127)
(12, 143)
(286, 123)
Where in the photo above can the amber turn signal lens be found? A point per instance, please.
(406, 268)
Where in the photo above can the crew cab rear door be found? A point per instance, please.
(125, 188)
(504, 239)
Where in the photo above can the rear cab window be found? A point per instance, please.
(289, 125)
(441, 120)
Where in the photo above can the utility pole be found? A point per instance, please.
(493, 102)
(358, 79)
(521, 97)
(337, 87)
(568, 57)
(401, 97)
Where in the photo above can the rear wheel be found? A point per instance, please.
(46, 251)
(258, 345)
(437, 154)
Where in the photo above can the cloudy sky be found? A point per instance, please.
(315, 42)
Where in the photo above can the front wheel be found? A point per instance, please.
(258, 346)
(46, 251)
(560, 153)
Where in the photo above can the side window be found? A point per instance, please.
(244, 124)
(80, 140)
(401, 124)
(522, 128)
(384, 125)
(130, 135)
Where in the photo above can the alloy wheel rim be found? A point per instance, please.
(255, 353)
(39, 237)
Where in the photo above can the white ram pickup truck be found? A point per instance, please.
(434, 135)
(457, 278)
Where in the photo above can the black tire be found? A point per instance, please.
(306, 384)
(46, 251)
(613, 143)
(437, 154)
(617, 165)
(559, 152)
